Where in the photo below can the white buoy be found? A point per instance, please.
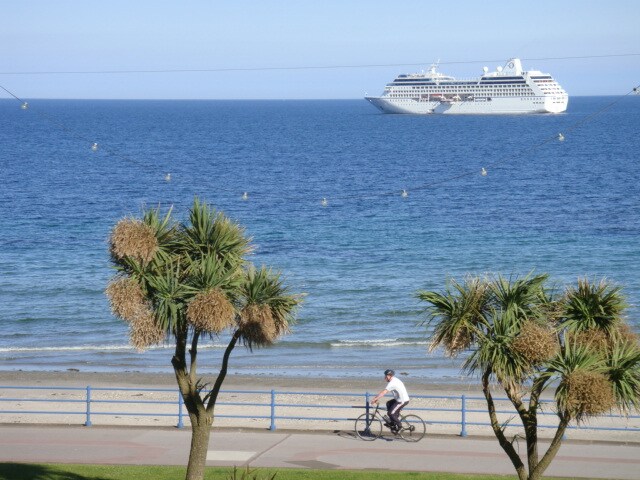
(167, 177)
(483, 172)
(245, 196)
(324, 202)
(404, 194)
(94, 147)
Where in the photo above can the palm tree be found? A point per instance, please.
(191, 281)
(526, 338)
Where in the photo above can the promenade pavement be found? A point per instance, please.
(308, 449)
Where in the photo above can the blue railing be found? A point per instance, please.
(88, 406)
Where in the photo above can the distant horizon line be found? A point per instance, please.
(240, 99)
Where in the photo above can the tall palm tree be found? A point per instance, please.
(525, 338)
(191, 281)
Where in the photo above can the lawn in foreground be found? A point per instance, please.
(23, 471)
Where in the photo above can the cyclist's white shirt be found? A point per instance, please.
(397, 388)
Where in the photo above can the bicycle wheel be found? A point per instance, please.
(413, 428)
(368, 427)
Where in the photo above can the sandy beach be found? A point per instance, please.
(137, 399)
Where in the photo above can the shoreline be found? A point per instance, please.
(417, 385)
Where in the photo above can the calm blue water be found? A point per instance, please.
(569, 208)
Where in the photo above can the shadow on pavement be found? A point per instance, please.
(26, 471)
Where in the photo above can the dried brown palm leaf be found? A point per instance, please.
(588, 394)
(594, 339)
(626, 335)
(125, 297)
(258, 325)
(460, 341)
(257, 314)
(211, 311)
(144, 331)
(535, 343)
(134, 239)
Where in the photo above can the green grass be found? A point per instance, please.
(23, 471)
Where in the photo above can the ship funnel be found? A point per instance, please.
(513, 66)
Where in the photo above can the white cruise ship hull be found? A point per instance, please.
(478, 106)
(388, 105)
(508, 90)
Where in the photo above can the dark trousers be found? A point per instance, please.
(393, 409)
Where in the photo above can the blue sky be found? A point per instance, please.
(64, 35)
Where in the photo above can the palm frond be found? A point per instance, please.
(583, 387)
(169, 293)
(591, 305)
(459, 313)
(495, 352)
(269, 309)
(624, 371)
(519, 299)
(208, 272)
(210, 232)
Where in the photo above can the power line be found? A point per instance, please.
(307, 67)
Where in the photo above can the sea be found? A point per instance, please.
(323, 185)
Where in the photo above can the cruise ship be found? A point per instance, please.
(507, 90)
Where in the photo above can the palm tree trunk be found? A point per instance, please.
(223, 371)
(531, 435)
(200, 433)
(528, 417)
(531, 430)
(553, 449)
(201, 419)
(502, 440)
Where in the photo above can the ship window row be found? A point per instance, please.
(460, 85)
(502, 78)
(400, 84)
(511, 82)
(422, 79)
(502, 88)
(505, 93)
(423, 82)
(483, 82)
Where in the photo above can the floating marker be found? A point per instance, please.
(245, 196)
(483, 172)
(404, 194)
(560, 137)
(324, 202)
(24, 106)
(94, 147)
(167, 177)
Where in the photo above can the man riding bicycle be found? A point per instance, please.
(399, 401)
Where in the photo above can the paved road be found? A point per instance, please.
(287, 449)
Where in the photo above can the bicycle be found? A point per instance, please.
(368, 426)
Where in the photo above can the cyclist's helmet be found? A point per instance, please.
(389, 372)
